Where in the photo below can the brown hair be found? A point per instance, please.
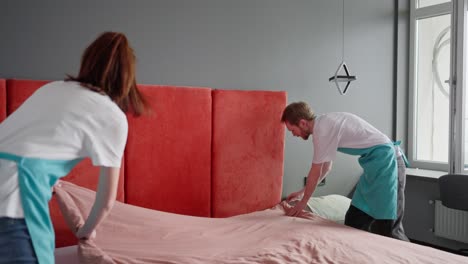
(294, 112)
(108, 67)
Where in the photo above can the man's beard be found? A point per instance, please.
(304, 135)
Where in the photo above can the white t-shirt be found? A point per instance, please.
(60, 121)
(343, 130)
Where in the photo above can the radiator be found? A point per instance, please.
(450, 223)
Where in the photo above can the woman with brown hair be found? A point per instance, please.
(59, 125)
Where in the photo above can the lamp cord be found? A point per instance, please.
(342, 34)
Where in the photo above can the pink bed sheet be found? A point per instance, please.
(133, 234)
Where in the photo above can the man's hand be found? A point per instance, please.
(295, 195)
(297, 209)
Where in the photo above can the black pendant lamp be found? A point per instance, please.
(340, 76)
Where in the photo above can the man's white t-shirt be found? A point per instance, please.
(343, 130)
(60, 121)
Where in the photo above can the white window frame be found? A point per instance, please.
(458, 88)
(457, 84)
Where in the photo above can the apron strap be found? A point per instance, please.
(35, 178)
(397, 144)
(10, 157)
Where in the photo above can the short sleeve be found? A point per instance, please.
(105, 141)
(326, 138)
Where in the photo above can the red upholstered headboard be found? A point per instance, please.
(2, 99)
(202, 152)
(168, 153)
(248, 147)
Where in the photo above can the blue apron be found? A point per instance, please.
(377, 188)
(36, 178)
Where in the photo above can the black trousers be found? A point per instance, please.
(360, 220)
(390, 228)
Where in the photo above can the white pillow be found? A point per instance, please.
(331, 206)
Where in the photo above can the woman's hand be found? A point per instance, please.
(105, 198)
(82, 234)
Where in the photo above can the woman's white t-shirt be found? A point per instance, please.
(60, 121)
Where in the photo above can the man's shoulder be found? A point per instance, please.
(336, 116)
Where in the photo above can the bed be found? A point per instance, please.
(201, 182)
(133, 234)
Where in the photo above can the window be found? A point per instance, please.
(432, 92)
(424, 3)
(436, 134)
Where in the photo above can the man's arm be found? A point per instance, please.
(105, 198)
(327, 166)
(317, 171)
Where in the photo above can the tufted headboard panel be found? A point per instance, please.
(248, 151)
(168, 153)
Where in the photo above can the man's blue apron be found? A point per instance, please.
(377, 188)
(36, 178)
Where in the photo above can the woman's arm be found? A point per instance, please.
(105, 198)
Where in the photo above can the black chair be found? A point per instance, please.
(454, 194)
(454, 191)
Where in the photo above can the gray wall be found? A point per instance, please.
(292, 45)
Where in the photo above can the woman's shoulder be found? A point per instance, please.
(92, 104)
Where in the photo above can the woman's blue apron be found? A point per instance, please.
(36, 178)
(377, 188)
